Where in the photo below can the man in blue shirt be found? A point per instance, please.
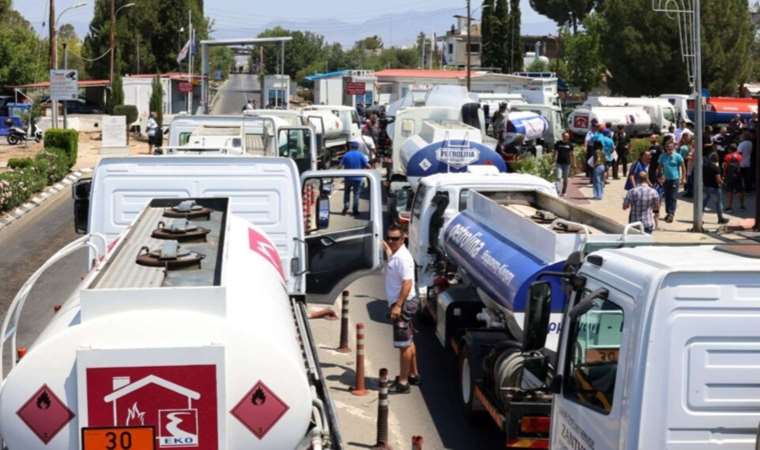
(353, 159)
(671, 171)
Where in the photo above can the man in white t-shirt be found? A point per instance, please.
(745, 148)
(399, 290)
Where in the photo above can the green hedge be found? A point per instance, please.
(541, 167)
(638, 146)
(130, 111)
(68, 140)
(31, 175)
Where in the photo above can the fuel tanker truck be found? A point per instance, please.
(189, 329)
(482, 262)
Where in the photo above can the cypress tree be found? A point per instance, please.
(515, 42)
(487, 34)
(500, 34)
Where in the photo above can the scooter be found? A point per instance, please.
(17, 134)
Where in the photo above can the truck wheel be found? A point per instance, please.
(471, 406)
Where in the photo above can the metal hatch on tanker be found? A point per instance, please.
(185, 332)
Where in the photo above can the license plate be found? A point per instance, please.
(122, 438)
(602, 355)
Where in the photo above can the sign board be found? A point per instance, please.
(114, 132)
(181, 396)
(45, 414)
(356, 88)
(259, 410)
(64, 84)
(185, 87)
(120, 438)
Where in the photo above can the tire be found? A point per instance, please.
(471, 407)
(13, 139)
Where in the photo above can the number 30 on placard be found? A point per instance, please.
(132, 438)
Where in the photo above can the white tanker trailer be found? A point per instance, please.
(190, 329)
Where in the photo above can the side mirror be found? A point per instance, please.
(80, 191)
(536, 325)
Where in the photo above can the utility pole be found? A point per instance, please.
(757, 177)
(53, 44)
(699, 122)
(190, 61)
(113, 39)
(469, 37)
(65, 66)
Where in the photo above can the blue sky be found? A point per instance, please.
(244, 16)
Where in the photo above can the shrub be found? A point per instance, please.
(130, 111)
(52, 164)
(541, 167)
(638, 146)
(66, 140)
(20, 163)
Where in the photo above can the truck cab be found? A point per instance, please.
(658, 350)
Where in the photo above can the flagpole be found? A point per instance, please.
(190, 62)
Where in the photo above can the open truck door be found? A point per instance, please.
(343, 227)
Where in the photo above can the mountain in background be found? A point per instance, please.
(399, 29)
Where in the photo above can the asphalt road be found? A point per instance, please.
(26, 245)
(232, 95)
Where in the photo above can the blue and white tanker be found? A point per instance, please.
(485, 260)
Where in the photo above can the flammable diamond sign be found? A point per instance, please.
(259, 410)
(45, 414)
(179, 401)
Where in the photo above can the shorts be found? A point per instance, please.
(403, 328)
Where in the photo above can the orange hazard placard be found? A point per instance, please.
(120, 438)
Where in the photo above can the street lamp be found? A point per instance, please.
(78, 5)
(114, 12)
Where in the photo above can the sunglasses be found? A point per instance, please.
(394, 238)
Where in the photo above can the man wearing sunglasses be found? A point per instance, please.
(399, 289)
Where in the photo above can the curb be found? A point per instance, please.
(39, 198)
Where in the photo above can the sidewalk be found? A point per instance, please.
(579, 192)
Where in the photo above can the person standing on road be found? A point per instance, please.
(733, 177)
(713, 183)
(686, 150)
(403, 304)
(641, 165)
(642, 200)
(745, 148)
(563, 154)
(621, 147)
(671, 173)
(497, 121)
(353, 159)
(655, 150)
(154, 133)
(599, 162)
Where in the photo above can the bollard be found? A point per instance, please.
(417, 442)
(344, 348)
(359, 388)
(382, 413)
(20, 353)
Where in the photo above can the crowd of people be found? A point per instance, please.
(654, 181)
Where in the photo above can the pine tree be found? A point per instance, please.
(487, 35)
(501, 35)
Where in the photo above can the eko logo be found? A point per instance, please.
(178, 428)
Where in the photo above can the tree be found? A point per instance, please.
(21, 51)
(649, 66)
(515, 42)
(565, 12)
(303, 51)
(371, 43)
(500, 36)
(116, 93)
(488, 25)
(582, 58)
(156, 101)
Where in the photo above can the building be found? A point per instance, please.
(548, 46)
(455, 44)
(397, 83)
(344, 87)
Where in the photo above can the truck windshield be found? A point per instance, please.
(593, 355)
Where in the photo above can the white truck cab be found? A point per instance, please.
(659, 350)
(453, 190)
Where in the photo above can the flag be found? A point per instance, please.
(185, 50)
